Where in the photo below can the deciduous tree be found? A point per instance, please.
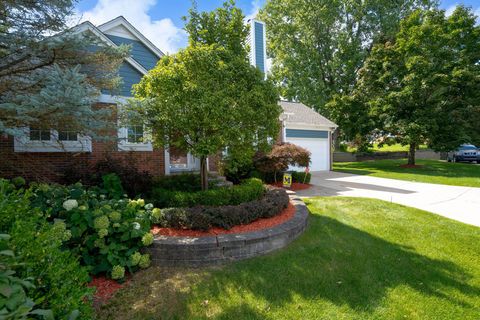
(425, 85)
(318, 47)
(207, 98)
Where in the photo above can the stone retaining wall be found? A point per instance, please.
(214, 250)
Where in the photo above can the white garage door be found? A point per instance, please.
(317, 145)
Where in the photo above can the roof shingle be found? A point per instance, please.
(298, 113)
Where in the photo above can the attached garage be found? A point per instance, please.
(307, 128)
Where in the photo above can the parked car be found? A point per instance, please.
(464, 153)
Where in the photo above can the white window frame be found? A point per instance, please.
(22, 143)
(125, 145)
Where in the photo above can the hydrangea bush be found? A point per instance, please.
(107, 234)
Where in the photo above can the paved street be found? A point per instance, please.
(459, 203)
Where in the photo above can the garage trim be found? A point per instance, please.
(303, 133)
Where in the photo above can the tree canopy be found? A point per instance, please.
(317, 47)
(207, 98)
(50, 75)
(425, 85)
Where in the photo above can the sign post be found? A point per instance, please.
(287, 180)
(307, 170)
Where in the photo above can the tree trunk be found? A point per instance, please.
(411, 154)
(203, 173)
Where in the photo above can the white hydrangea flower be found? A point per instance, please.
(70, 204)
(136, 225)
(149, 206)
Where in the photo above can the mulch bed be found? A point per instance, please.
(296, 186)
(259, 224)
(105, 288)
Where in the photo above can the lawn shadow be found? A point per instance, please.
(154, 293)
(340, 264)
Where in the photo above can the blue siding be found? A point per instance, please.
(130, 76)
(298, 133)
(259, 49)
(139, 51)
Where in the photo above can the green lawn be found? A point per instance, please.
(358, 259)
(386, 148)
(431, 171)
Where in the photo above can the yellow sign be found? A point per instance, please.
(287, 180)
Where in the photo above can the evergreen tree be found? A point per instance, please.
(50, 75)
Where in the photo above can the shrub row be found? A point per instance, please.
(206, 217)
(297, 176)
(249, 190)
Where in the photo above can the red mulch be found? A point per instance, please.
(254, 226)
(296, 186)
(105, 288)
(415, 166)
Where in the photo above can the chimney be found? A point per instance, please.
(257, 42)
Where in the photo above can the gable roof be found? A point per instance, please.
(298, 113)
(87, 25)
(121, 21)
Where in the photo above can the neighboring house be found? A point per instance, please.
(46, 154)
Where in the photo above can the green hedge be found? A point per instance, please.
(297, 176)
(206, 217)
(249, 190)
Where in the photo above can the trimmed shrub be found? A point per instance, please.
(280, 157)
(188, 182)
(301, 177)
(297, 176)
(249, 190)
(206, 217)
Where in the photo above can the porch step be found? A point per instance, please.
(217, 180)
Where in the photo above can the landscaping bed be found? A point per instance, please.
(204, 218)
(296, 186)
(203, 249)
(259, 224)
(358, 259)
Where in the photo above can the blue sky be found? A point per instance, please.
(161, 20)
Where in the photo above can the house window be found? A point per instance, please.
(67, 136)
(39, 134)
(135, 134)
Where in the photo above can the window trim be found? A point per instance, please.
(125, 145)
(22, 143)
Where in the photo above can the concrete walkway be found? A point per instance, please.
(458, 203)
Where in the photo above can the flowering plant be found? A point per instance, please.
(106, 233)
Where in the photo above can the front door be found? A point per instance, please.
(182, 161)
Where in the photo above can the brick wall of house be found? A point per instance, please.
(50, 166)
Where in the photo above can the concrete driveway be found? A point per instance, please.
(458, 203)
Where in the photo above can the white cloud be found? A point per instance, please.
(477, 13)
(163, 33)
(255, 8)
(450, 9)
